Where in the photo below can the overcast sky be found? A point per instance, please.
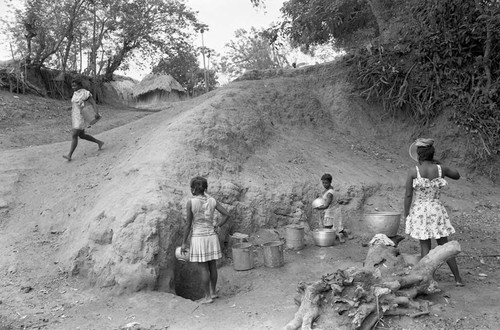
(226, 16)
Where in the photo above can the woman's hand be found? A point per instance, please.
(217, 229)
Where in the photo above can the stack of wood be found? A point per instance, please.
(356, 298)
(14, 80)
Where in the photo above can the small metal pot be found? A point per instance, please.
(324, 237)
(180, 255)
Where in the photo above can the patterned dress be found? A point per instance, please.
(205, 244)
(428, 217)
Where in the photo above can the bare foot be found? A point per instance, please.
(347, 234)
(68, 158)
(100, 144)
(206, 301)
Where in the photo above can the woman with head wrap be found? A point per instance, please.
(426, 218)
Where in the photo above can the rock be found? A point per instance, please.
(131, 326)
(3, 204)
(26, 289)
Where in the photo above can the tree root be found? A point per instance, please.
(309, 309)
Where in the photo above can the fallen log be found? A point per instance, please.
(424, 270)
(362, 297)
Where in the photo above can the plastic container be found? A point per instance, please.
(295, 237)
(273, 254)
(242, 256)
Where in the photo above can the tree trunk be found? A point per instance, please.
(115, 62)
(66, 52)
(29, 35)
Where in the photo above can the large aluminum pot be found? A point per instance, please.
(386, 223)
(324, 237)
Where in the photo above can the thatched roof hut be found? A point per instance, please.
(155, 88)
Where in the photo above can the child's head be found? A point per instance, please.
(198, 185)
(76, 84)
(326, 180)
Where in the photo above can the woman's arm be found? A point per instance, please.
(94, 106)
(223, 211)
(189, 217)
(451, 173)
(408, 192)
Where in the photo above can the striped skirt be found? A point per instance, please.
(204, 248)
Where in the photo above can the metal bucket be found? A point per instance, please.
(273, 254)
(295, 237)
(324, 237)
(242, 256)
(180, 255)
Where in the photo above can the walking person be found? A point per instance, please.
(205, 247)
(81, 98)
(427, 218)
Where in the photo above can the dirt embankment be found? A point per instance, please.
(112, 219)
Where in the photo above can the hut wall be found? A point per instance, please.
(158, 96)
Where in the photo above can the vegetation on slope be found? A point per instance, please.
(420, 59)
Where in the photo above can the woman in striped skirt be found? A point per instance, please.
(205, 247)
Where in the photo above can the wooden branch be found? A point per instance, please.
(418, 314)
(309, 306)
(370, 321)
(366, 295)
(362, 313)
(425, 268)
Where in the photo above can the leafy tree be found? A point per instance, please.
(182, 64)
(149, 26)
(446, 59)
(251, 50)
(348, 23)
(114, 28)
(199, 81)
(44, 26)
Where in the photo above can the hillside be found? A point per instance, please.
(90, 243)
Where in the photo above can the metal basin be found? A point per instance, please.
(324, 237)
(386, 223)
(318, 202)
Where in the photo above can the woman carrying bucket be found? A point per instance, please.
(205, 247)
